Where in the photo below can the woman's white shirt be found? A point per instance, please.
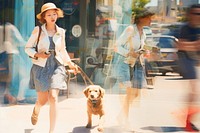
(44, 43)
(123, 45)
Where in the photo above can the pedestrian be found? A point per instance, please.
(188, 49)
(128, 65)
(49, 59)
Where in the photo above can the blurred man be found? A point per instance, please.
(188, 46)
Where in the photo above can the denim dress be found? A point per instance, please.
(52, 76)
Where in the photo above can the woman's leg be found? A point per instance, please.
(192, 107)
(42, 98)
(131, 94)
(53, 101)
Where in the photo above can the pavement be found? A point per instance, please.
(158, 110)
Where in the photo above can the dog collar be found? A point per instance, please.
(94, 102)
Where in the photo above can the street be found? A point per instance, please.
(158, 110)
(39, 39)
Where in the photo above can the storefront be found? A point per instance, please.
(109, 20)
(92, 27)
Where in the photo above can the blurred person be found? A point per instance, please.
(6, 78)
(188, 48)
(14, 44)
(48, 74)
(9, 43)
(128, 72)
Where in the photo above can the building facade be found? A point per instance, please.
(92, 27)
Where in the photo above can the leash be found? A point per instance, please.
(85, 77)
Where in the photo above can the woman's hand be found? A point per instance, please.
(198, 45)
(132, 54)
(115, 48)
(42, 55)
(74, 67)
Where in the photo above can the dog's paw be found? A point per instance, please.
(88, 126)
(100, 129)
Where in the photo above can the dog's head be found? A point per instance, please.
(93, 92)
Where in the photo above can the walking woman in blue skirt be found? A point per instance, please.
(49, 57)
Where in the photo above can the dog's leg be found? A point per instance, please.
(89, 124)
(101, 123)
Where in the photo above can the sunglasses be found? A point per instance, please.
(195, 13)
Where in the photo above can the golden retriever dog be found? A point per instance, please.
(94, 94)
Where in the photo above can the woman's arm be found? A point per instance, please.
(64, 53)
(123, 39)
(30, 45)
(186, 45)
(66, 58)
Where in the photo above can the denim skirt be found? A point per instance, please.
(52, 76)
(130, 76)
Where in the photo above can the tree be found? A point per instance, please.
(138, 5)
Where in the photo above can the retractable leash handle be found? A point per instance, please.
(85, 77)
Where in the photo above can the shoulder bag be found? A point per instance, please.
(132, 56)
(38, 38)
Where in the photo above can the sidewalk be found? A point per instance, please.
(154, 112)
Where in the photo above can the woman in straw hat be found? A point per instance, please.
(129, 69)
(49, 60)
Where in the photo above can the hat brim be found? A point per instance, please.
(142, 13)
(58, 10)
(145, 15)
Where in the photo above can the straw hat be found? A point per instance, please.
(48, 6)
(142, 13)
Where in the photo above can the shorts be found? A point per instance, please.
(186, 66)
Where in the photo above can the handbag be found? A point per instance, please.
(132, 56)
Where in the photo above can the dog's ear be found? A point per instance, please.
(85, 91)
(102, 91)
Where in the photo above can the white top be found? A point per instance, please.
(43, 45)
(123, 45)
